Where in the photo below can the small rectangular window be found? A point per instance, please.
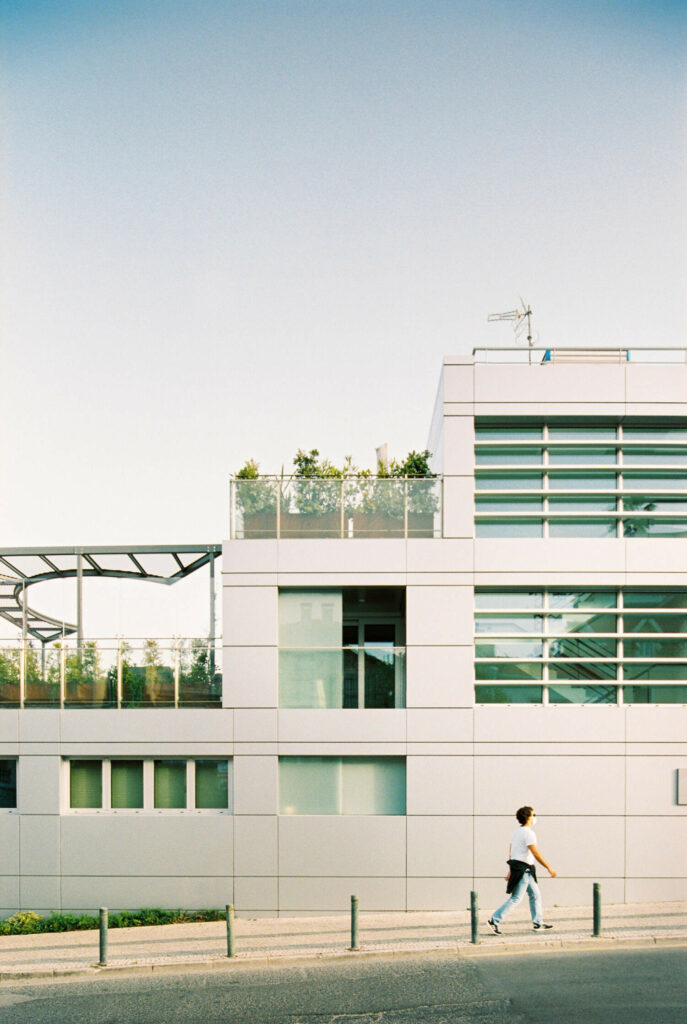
(654, 599)
(655, 695)
(583, 670)
(582, 456)
(505, 624)
(508, 481)
(509, 528)
(582, 432)
(508, 432)
(583, 694)
(508, 694)
(515, 504)
(127, 784)
(582, 527)
(650, 456)
(509, 599)
(508, 670)
(560, 481)
(664, 670)
(582, 647)
(582, 505)
(654, 482)
(492, 648)
(8, 782)
(170, 784)
(650, 622)
(85, 784)
(508, 456)
(575, 599)
(212, 790)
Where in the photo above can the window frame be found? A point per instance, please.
(148, 809)
(553, 620)
(13, 810)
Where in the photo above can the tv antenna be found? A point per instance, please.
(522, 320)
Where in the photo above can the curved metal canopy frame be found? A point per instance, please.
(21, 568)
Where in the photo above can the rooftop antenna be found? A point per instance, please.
(522, 318)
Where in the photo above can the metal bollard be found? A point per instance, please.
(102, 962)
(597, 909)
(230, 930)
(354, 922)
(474, 924)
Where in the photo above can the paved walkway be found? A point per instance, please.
(268, 939)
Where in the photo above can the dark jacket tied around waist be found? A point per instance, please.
(518, 868)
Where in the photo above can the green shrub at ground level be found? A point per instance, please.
(27, 922)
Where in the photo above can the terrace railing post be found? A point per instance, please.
(119, 672)
(102, 962)
(342, 508)
(63, 670)
(279, 487)
(405, 507)
(474, 923)
(176, 671)
(24, 638)
(597, 909)
(230, 930)
(354, 922)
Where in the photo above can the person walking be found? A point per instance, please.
(522, 873)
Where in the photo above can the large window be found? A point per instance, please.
(581, 479)
(342, 648)
(580, 646)
(163, 784)
(342, 785)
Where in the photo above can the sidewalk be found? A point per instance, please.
(269, 940)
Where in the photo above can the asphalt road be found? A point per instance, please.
(615, 987)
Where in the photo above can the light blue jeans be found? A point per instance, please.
(526, 883)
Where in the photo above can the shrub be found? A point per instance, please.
(27, 922)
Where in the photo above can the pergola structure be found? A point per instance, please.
(21, 568)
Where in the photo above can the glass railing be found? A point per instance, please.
(112, 673)
(346, 677)
(291, 507)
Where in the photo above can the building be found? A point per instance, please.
(404, 663)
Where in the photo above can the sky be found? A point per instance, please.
(235, 229)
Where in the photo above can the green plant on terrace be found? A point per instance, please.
(9, 667)
(317, 487)
(254, 493)
(83, 670)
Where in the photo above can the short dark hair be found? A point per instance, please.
(523, 814)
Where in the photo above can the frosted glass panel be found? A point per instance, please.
(170, 784)
(309, 785)
(127, 784)
(342, 785)
(212, 788)
(310, 618)
(374, 785)
(85, 784)
(311, 678)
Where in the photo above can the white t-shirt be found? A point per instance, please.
(519, 841)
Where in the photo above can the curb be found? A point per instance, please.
(248, 962)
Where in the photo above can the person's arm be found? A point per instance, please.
(509, 853)
(537, 856)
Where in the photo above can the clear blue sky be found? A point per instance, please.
(232, 229)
